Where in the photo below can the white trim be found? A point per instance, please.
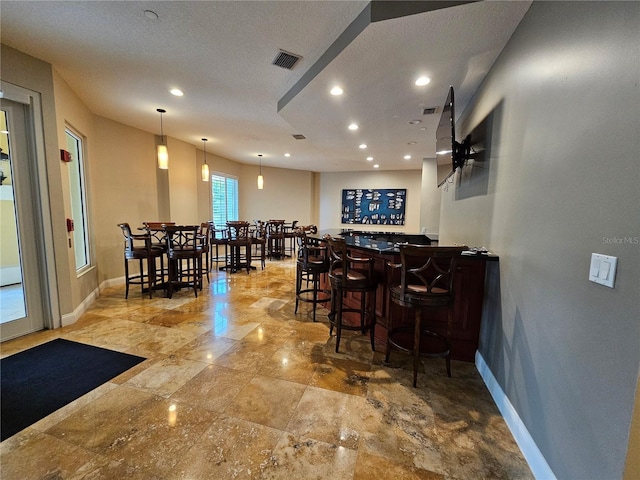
(71, 318)
(51, 302)
(539, 466)
(112, 282)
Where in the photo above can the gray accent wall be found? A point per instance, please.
(560, 113)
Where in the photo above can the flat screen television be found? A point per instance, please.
(450, 154)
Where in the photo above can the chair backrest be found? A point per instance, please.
(205, 233)
(260, 229)
(128, 239)
(311, 248)
(156, 230)
(337, 253)
(137, 242)
(238, 231)
(275, 227)
(301, 233)
(181, 238)
(428, 270)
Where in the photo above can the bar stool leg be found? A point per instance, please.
(416, 345)
(126, 278)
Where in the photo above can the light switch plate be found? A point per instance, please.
(603, 269)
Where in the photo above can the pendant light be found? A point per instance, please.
(163, 153)
(205, 167)
(260, 177)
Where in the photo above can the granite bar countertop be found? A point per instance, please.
(389, 242)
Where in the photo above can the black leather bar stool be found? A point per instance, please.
(353, 275)
(312, 262)
(426, 283)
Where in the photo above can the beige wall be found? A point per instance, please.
(330, 195)
(287, 194)
(70, 111)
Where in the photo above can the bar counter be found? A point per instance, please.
(383, 247)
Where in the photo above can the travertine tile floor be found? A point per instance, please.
(237, 386)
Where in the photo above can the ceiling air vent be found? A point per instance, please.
(298, 136)
(286, 60)
(429, 110)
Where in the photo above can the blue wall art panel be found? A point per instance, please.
(374, 207)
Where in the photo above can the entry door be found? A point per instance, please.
(22, 292)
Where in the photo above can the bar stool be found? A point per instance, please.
(353, 275)
(217, 238)
(204, 236)
(426, 284)
(185, 257)
(290, 233)
(139, 247)
(259, 239)
(312, 262)
(275, 238)
(238, 237)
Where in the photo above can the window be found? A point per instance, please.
(78, 196)
(224, 194)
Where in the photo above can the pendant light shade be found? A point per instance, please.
(205, 167)
(163, 153)
(260, 177)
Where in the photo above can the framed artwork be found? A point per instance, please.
(374, 206)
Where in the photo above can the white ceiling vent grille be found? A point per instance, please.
(429, 110)
(298, 136)
(286, 60)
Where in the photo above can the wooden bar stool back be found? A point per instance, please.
(348, 274)
(426, 283)
(239, 237)
(185, 257)
(312, 262)
(140, 247)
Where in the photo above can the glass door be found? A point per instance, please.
(21, 286)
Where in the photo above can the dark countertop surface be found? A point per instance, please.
(389, 242)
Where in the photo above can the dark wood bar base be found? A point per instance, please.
(467, 308)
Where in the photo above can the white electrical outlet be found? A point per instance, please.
(603, 269)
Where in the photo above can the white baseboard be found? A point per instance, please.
(71, 318)
(539, 466)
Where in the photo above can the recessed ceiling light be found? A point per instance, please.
(369, 158)
(353, 126)
(422, 81)
(376, 166)
(177, 92)
(336, 91)
(287, 154)
(362, 146)
(151, 14)
(414, 122)
(407, 157)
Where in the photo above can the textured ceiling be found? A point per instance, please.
(122, 64)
